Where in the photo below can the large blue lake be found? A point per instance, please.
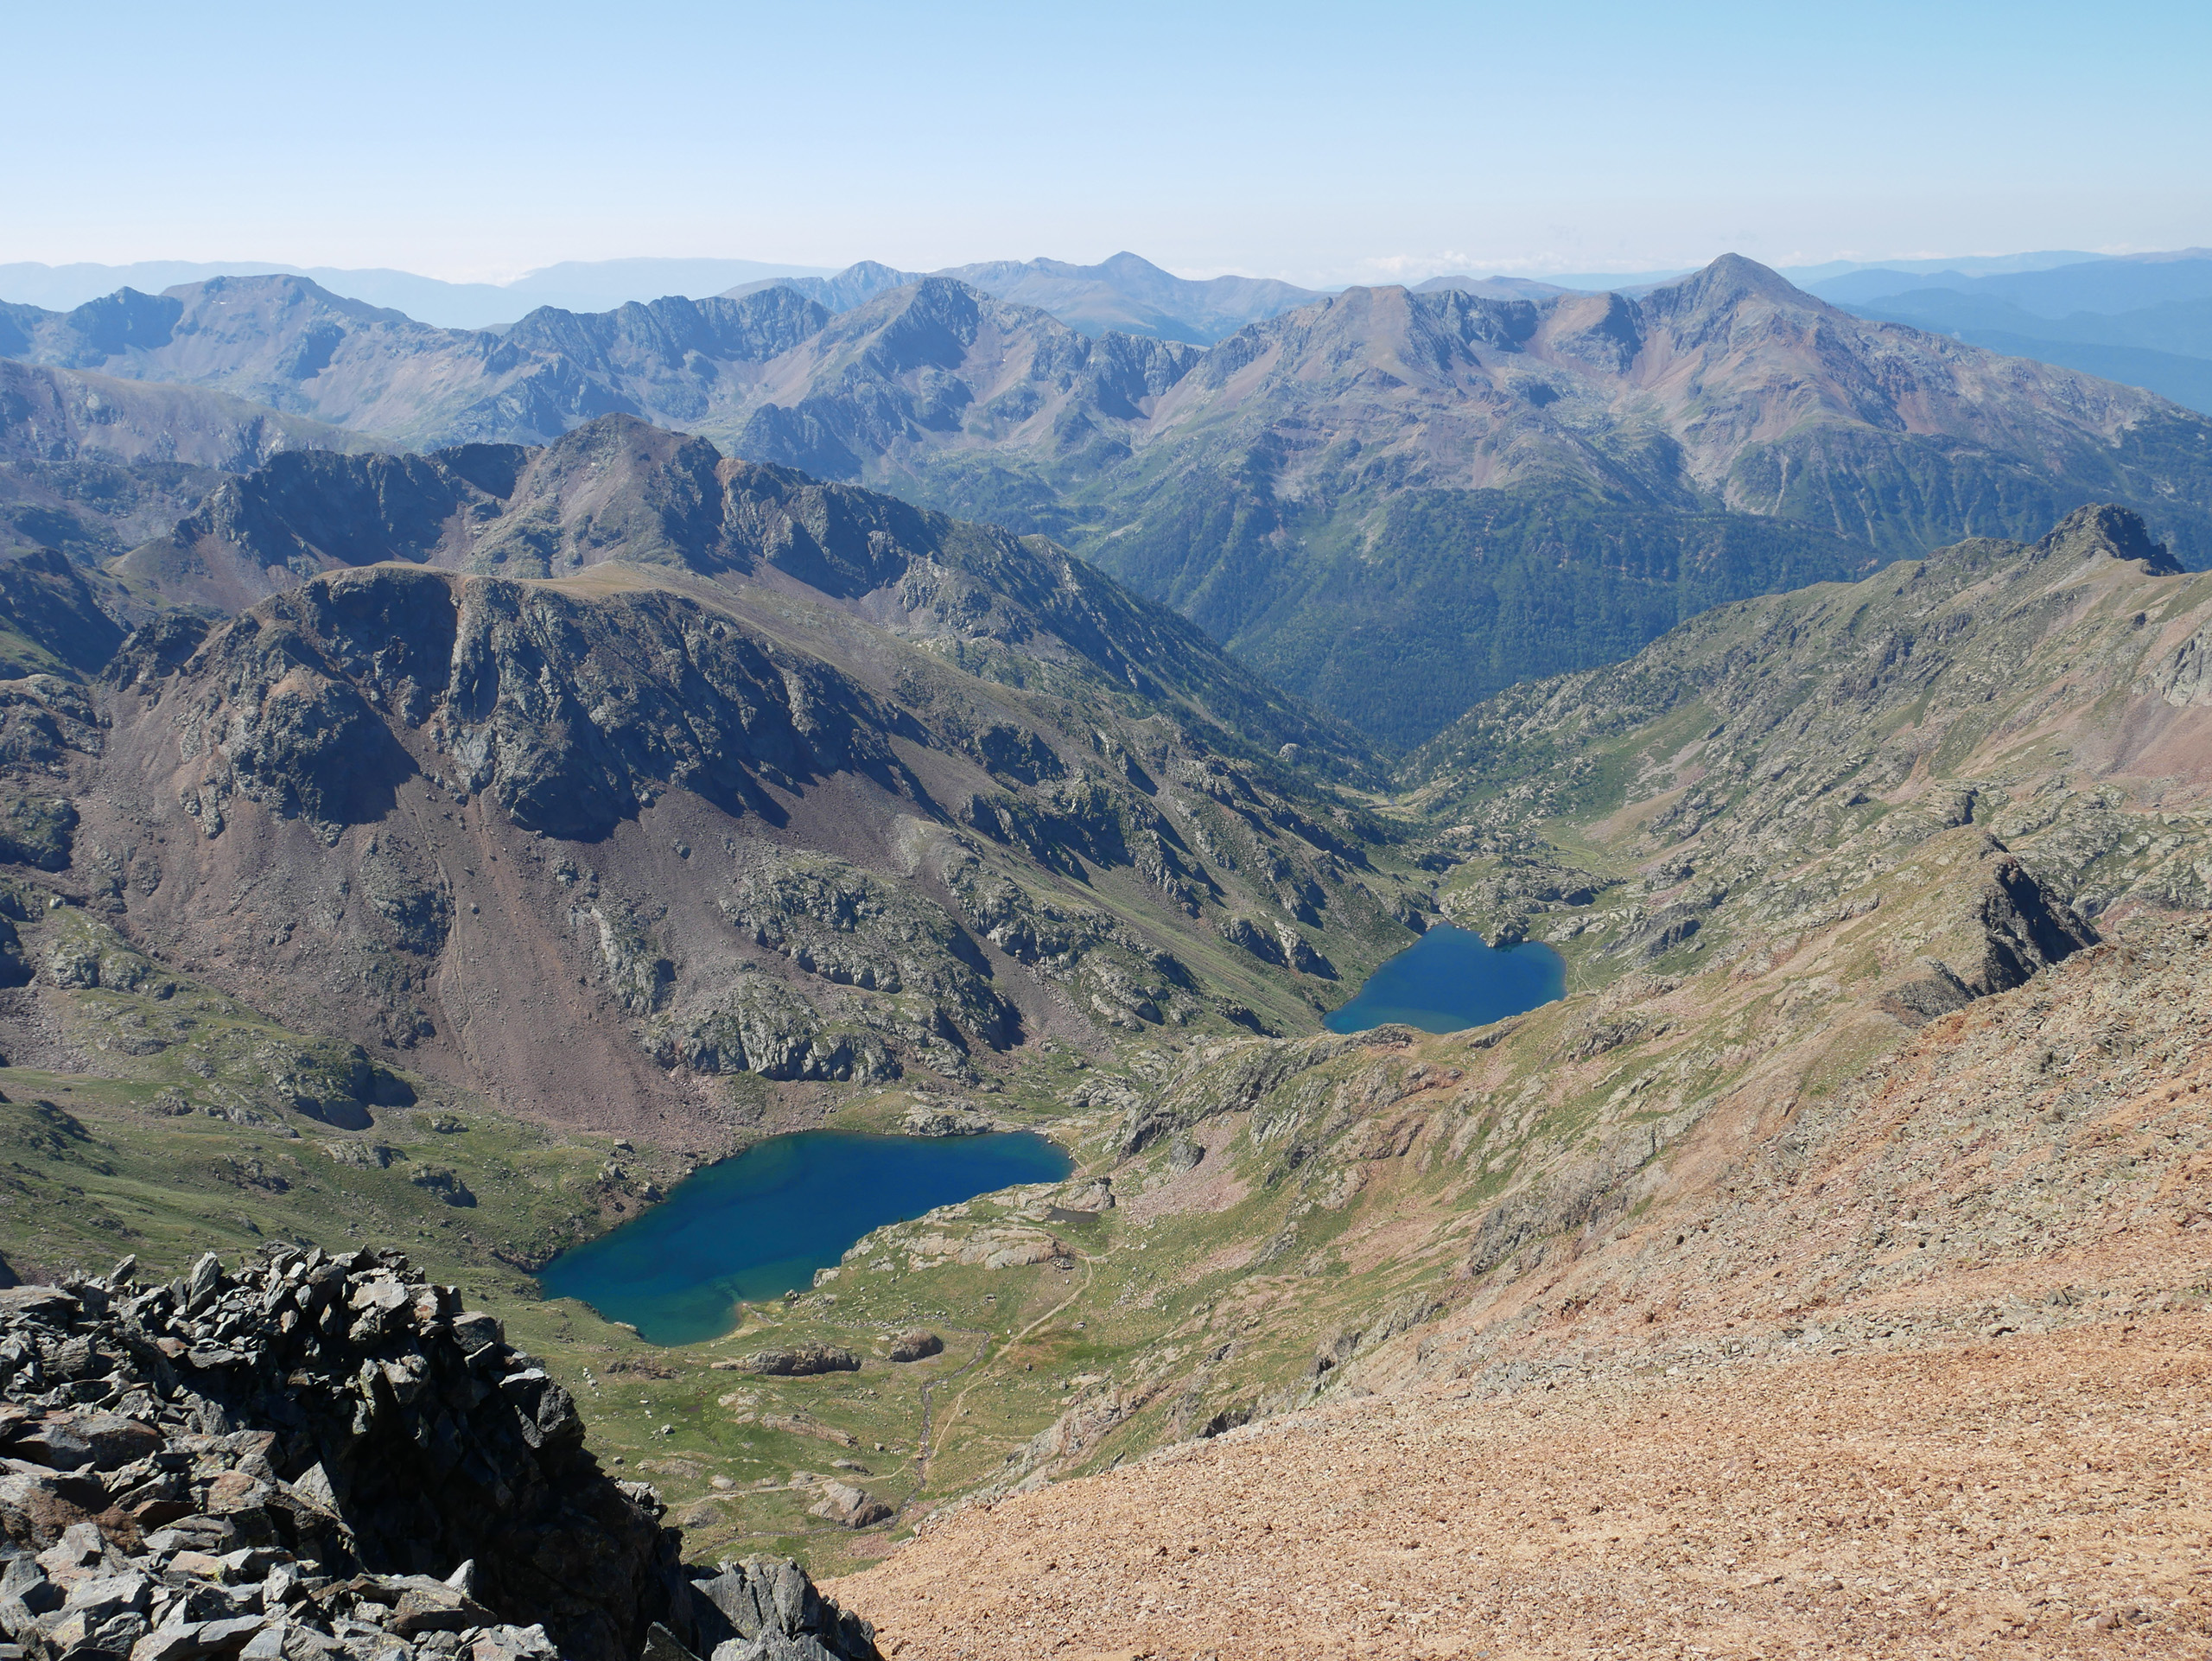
(1449, 980)
(758, 1224)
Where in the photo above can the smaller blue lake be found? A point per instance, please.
(758, 1224)
(1449, 980)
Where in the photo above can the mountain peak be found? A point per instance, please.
(1126, 263)
(2109, 529)
(284, 287)
(1730, 280)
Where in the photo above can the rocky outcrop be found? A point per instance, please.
(916, 1345)
(848, 1506)
(771, 1612)
(850, 927)
(757, 1025)
(312, 1456)
(2015, 929)
(805, 1363)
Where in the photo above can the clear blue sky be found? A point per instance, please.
(1324, 144)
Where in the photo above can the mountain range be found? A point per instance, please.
(93, 465)
(2145, 320)
(458, 841)
(1125, 294)
(648, 712)
(1473, 487)
(573, 285)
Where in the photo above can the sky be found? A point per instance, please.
(1322, 143)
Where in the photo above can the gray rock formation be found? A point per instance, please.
(916, 1345)
(802, 1363)
(770, 1611)
(320, 1456)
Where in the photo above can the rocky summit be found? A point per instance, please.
(314, 1456)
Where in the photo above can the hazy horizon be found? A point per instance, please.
(479, 144)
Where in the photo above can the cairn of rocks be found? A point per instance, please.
(313, 1457)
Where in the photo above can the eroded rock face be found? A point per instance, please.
(317, 1455)
(566, 713)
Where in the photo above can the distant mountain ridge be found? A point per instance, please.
(1402, 501)
(92, 464)
(573, 285)
(1398, 502)
(2144, 320)
(285, 342)
(1125, 294)
(2107, 283)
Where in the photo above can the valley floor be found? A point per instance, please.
(2040, 1494)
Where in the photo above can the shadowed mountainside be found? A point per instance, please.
(92, 464)
(706, 769)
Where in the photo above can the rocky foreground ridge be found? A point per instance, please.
(318, 1457)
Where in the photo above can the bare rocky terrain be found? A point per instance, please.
(330, 1456)
(705, 769)
(1909, 1359)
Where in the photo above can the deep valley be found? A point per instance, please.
(456, 786)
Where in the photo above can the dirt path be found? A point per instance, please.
(952, 1414)
(923, 1446)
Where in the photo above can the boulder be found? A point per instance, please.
(853, 1508)
(805, 1363)
(916, 1345)
(768, 1609)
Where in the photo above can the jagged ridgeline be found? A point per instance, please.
(606, 772)
(1396, 502)
(318, 1455)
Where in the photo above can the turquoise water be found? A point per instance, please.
(758, 1224)
(1449, 980)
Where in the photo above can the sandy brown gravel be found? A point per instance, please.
(2036, 1495)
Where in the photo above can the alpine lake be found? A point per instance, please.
(1449, 980)
(758, 1225)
